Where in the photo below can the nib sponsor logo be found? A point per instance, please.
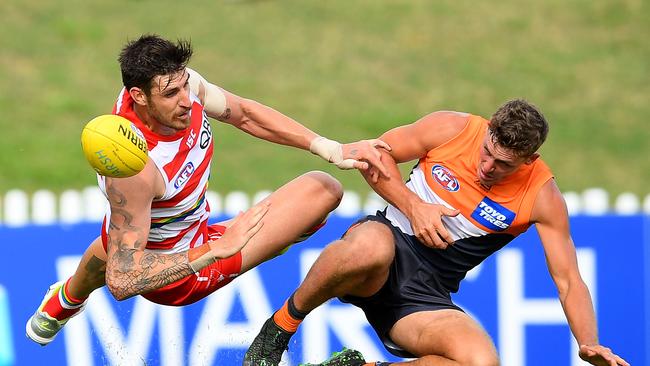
(492, 215)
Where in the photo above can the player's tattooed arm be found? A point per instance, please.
(130, 269)
(226, 114)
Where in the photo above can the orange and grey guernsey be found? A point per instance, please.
(488, 219)
(178, 218)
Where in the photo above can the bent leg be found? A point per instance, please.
(356, 265)
(295, 208)
(444, 337)
(91, 271)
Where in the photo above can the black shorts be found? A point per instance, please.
(412, 286)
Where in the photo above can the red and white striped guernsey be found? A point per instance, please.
(178, 218)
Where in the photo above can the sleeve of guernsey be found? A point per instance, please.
(212, 97)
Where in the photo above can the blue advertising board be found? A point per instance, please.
(511, 294)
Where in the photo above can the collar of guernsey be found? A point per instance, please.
(183, 160)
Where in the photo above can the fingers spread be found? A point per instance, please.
(425, 238)
(380, 143)
(374, 175)
(254, 230)
(450, 212)
(376, 162)
(431, 239)
(440, 244)
(361, 165)
(444, 234)
(621, 361)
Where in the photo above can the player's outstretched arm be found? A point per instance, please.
(130, 270)
(268, 124)
(411, 142)
(551, 219)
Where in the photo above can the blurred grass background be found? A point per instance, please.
(346, 69)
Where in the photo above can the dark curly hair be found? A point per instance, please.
(150, 56)
(518, 126)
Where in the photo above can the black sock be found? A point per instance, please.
(293, 311)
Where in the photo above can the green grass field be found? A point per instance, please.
(347, 69)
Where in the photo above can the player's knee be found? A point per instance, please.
(372, 246)
(328, 186)
(480, 357)
(485, 361)
(466, 349)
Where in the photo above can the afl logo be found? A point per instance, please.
(184, 175)
(445, 178)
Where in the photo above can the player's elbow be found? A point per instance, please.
(117, 287)
(119, 292)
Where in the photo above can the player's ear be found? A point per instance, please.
(138, 96)
(532, 158)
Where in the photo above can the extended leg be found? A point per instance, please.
(295, 208)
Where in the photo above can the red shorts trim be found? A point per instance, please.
(199, 285)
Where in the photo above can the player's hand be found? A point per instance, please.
(363, 155)
(427, 225)
(599, 355)
(243, 228)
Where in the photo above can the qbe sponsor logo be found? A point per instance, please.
(206, 133)
(492, 215)
(445, 178)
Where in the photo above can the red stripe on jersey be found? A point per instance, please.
(170, 242)
(202, 234)
(167, 204)
(190, 185)
(104, 235)
(118, 107)
(189, 140)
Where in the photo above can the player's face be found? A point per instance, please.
(496, 163)
(169, 101)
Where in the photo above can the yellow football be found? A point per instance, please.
(114, 146)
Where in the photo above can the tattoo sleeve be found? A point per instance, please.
(131, 270)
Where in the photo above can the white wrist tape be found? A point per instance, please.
(331, 151)
(327, 149)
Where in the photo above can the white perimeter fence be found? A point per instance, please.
(43, 207)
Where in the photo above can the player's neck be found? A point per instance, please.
(151, 122)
